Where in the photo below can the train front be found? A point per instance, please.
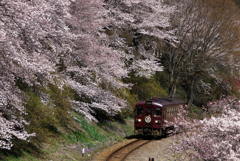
(148, 118)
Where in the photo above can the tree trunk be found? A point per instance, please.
(191, 93)
(172, 85)
(172, 90)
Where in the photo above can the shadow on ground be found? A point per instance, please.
(145, 137)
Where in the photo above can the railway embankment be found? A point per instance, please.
(139, 150)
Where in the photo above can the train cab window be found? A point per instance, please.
(139, 110)
(158, 112)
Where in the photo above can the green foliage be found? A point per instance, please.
(116, 130)
(162, 78)
(92, 130)
(131, 98)
(150, 89)
(147, 88)
(41, 118)
(78, 136)
(47, 119)
(51, 120)
(92, 134)
(27, 157)
(89, 134)
(126, 94)
(196, 112)
(60, 99)
(142, 89)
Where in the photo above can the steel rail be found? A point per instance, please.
(123, 152)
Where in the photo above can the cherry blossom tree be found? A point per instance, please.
(216, 138)
(43, 41)
(30, 34)
(87, 45)
(147, 23)
(115, 57)
(93, 68)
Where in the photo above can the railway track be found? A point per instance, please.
(123, 152)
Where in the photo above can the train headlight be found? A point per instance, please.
(157, 121)
(139, 120)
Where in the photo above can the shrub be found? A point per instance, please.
(62, 106)
(88, 134)
(46, 119)
(148, 88)
(41, 118)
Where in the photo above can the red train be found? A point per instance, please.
(151, 116)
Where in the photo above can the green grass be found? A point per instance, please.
(196, 112)
(92, 130)
(89, 134)
(46, 119)
(57, 127)
(27, 157)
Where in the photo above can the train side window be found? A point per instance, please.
(158, 112)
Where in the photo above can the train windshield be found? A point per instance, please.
(139, 110)
(148, 110)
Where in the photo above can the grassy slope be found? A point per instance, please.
(60, 132)
(61, 135)
(67, 147)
